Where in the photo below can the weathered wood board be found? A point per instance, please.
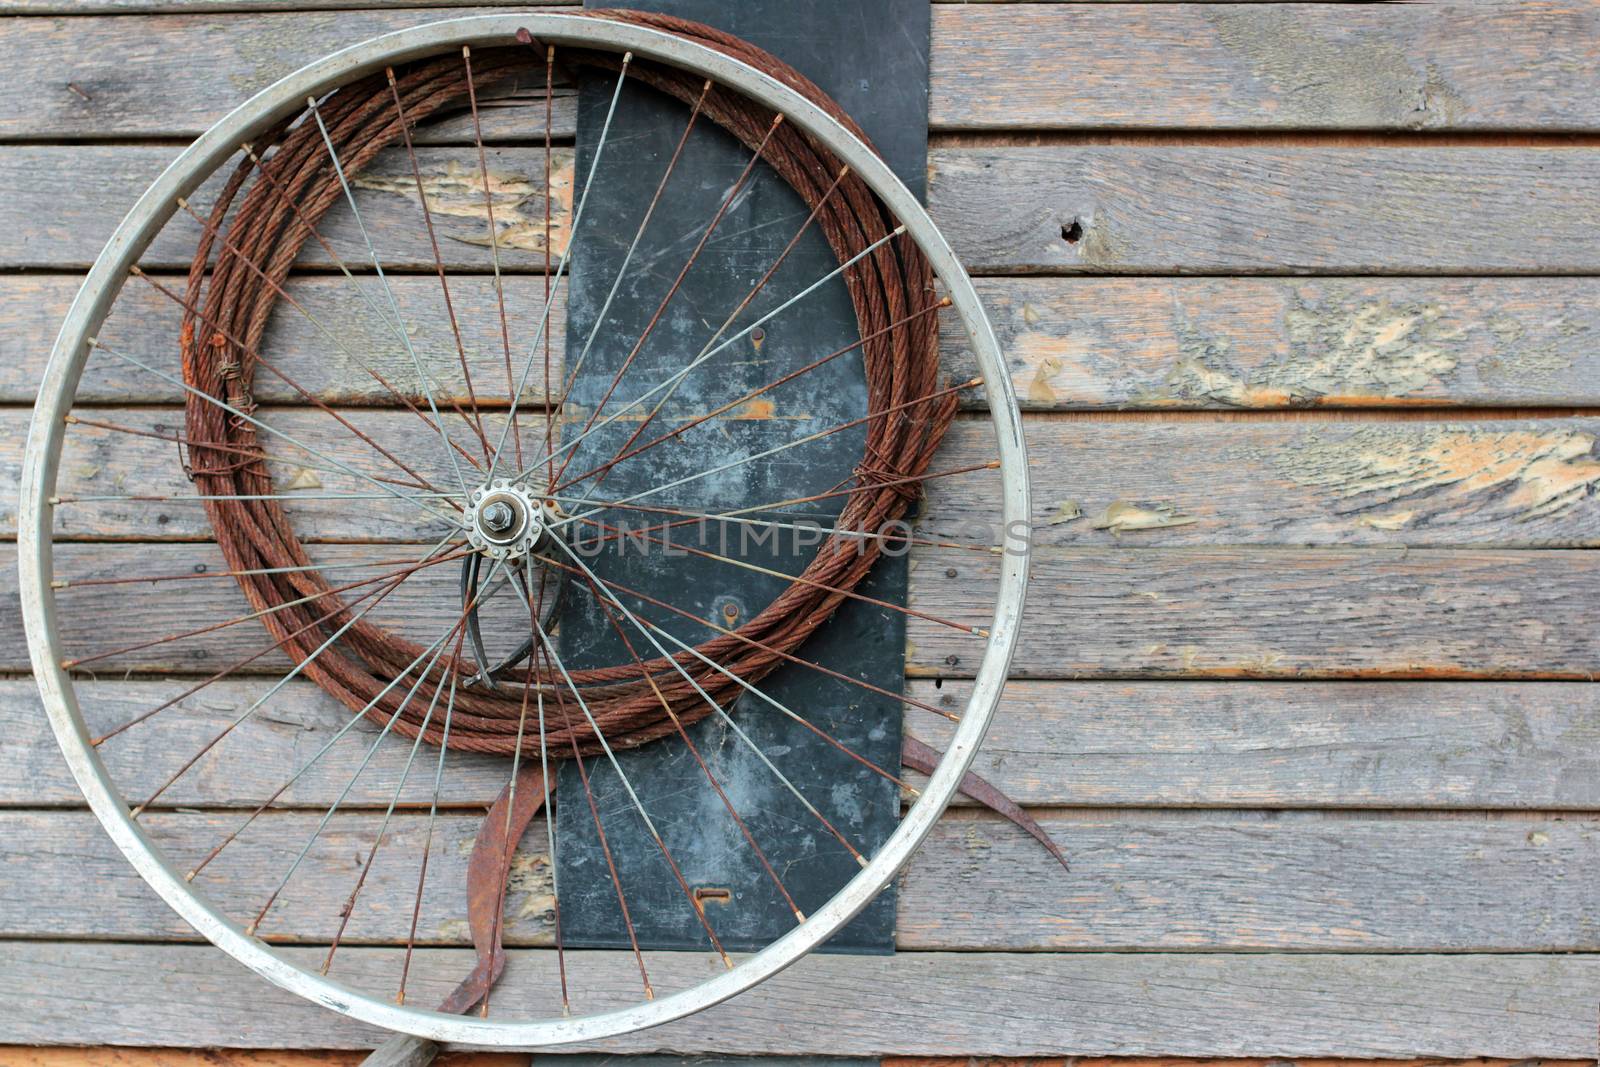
(1324, 881)
(1108, 208)
(1092, 612)
(1126, 1004)
(1432, 67)
(1208, 481)
(67, 199)
(1222, 209)
(1078, 343)
(1471, 746)
(1208, 214)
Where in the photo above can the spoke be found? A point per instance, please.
(383, 827)
(975, 631)
(432, 650)
(422, 375)
(236, 665)
(75, 664)
(672, 291)
(293, 494)
(666, 705)
(510, 844)
(433, 814)
(611, 863)
(205, 575)
(695, 518)
(317, 324)
(627, 786)
(707, 353)
(763, 646)
(438, 260)
(597, 586)
(566, 254)
(262, 361)
(252, 453)
(623, 453)
(494, 234)
(395, 328)
(235, 412)
(437, 649)
(755, 290)
(808, 439)
(549, 121)
(787, 712)
(622, 270)
(535, 657)
(276, 686)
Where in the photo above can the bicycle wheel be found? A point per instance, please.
(404, 504)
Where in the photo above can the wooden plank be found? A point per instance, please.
(1249, 612)
(1308, 881)
(68, 199)
(135, 76)
(1243, 66)
(1158, 209)
(1137, 209)
(103, 462)
(1269, 343)
(994, 67)
(1274, 613)
(105, 1056)
(1125, 1003)
(145, 323)
(143, 7)
(1440, 745)
(1526, 483)
(1303, 482)
(1073, 344)
(1470, 745)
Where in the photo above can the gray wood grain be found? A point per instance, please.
(1439, 745)
(1214, 209)
(1275, 613)
(1264, 343)
(66, 201)
(1311, 481)
(1138, 209)
(994, 67)
(137, 76)
(1245, 66)
(1247, 612)
(1307, 481)
(145, 323)
(1307, 881)
(1073, 344)
(1184, 1004)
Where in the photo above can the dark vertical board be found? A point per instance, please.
(878, 72)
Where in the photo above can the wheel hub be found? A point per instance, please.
(505, 521)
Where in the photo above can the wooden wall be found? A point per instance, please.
(1301, 301)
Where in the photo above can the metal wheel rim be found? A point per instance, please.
(58, 389)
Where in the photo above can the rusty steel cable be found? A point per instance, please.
(269, 207)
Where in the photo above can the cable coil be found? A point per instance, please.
(229, 304)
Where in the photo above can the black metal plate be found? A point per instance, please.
(879, 73)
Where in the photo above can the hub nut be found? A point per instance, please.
(504, 520)
(498, 516)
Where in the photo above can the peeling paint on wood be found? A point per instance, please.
(1078, 343)
(457, 191)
